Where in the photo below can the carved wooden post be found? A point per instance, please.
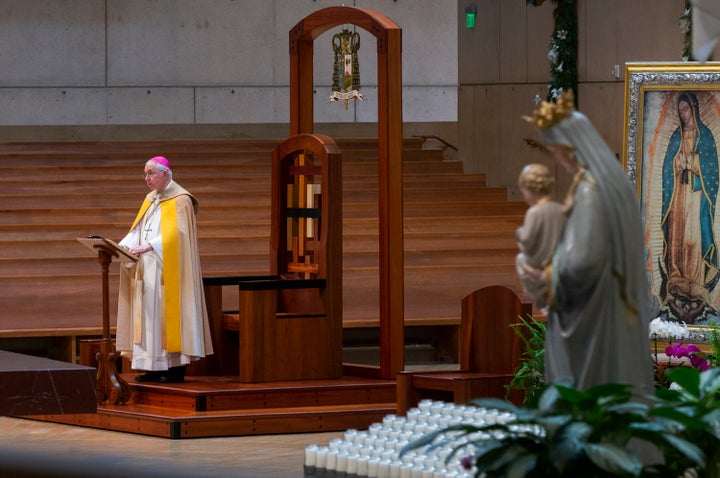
(390, 188)
(110, 386)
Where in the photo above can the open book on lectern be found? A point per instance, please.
(93, 242)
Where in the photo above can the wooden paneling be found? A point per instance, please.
(466, 136)
(601, 106)
(513, 44)
(539, 25)
(479, 48)
(487, 103)
(497, 143)
(649, 30)
(598, 39)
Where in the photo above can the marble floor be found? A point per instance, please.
(31, 448)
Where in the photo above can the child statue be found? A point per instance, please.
(540, 232)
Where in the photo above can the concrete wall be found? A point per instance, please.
(123, 63)
(133, 69)
(503, 65)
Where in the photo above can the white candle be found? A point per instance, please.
(311, 455)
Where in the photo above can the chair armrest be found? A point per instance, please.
(265, 282)
(233, 280)
(278, 284)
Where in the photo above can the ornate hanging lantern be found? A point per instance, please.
(346, 69)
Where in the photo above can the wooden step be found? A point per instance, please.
(430, 292)
(254, 168)
(227, 182)
(66, 270)
(413, 241)
(440, 208)
(101, 214)
(152, 421)
(153, 148)
(470, 224)
(420, 194)
(118, 215)
(216, 198)
(228, 227)
(182, 159)
(133, 186)
(203, 393)
(228, 263)
(222, 406)
(52, 232)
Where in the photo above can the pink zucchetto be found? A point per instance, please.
(161, 160)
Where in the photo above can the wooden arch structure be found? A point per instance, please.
(390, 187)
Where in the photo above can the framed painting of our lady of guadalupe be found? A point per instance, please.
(672, 113)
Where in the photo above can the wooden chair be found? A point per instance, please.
(289, 324)
(489, 352)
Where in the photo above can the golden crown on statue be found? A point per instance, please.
(551, 113)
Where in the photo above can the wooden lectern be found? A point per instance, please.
(110, 386)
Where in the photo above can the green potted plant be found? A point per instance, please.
(692, 408)
(529, 376)
(595, 433)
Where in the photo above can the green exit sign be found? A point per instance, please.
(470, 14)
(470, 20)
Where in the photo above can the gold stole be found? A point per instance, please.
(145, 205)
(171, 271)
(171, 274)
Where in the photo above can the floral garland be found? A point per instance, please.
(564, 44)
(686, 30)
(563, 51)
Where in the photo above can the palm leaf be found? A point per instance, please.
(495, 404)
(523, 465)
(689, 450)
(679, 415)
(612, 458)
(688, 378)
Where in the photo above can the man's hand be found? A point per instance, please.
(141, 249)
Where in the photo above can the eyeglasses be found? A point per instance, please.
(149, 173)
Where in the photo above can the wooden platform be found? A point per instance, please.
(222, 406)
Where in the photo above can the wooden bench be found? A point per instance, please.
(489, 352)
(458, 232)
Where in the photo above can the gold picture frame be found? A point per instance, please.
(670, 152)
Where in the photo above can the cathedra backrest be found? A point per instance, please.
(303, 216)
(306, 225)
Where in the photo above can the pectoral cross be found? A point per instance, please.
(152, 211)
(148, 229)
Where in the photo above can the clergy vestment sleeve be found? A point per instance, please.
(131, 239)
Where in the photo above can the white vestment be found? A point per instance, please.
(154, 338)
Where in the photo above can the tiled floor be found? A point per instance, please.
(31, 448)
